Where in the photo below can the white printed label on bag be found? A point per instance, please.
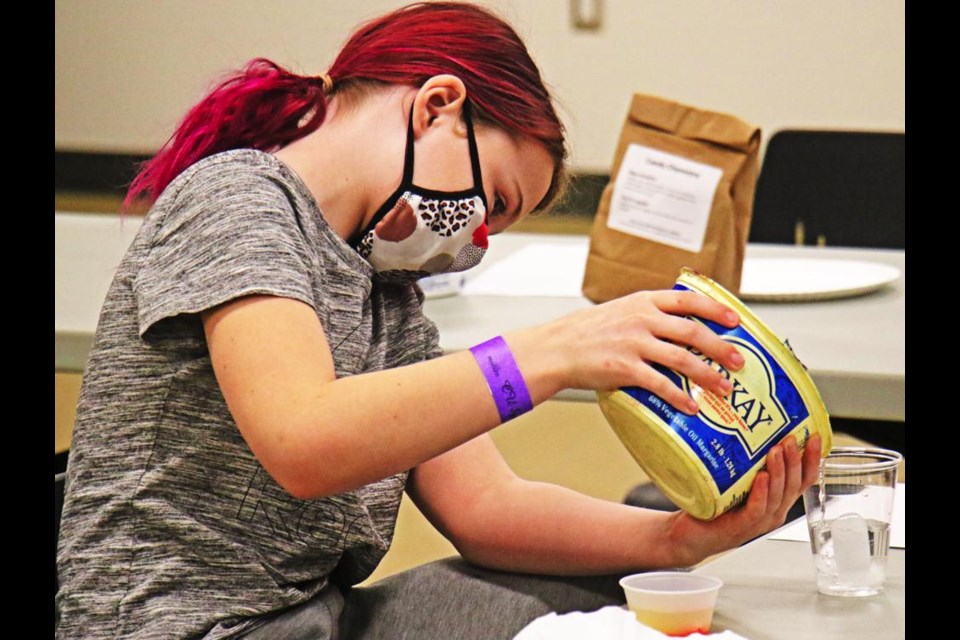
(663, 197)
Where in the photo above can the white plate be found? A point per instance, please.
(789, 279)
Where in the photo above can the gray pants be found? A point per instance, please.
(444, 600)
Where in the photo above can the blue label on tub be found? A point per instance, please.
(729, 434)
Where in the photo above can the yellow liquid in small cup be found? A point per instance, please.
(676, 623)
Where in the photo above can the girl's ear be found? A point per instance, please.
(439, 102)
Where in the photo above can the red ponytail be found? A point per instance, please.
(263, 107)
(259, 108)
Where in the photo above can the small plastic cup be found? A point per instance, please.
(672, 602)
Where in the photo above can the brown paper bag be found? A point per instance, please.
(621, 262)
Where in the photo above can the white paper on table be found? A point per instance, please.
(538, 269)
(663, 197)
(609, 623)
(898, 535)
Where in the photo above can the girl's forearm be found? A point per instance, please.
(542, 528)
(370, 426)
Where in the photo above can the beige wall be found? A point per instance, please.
(126, 70)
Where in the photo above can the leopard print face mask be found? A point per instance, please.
(420, 232)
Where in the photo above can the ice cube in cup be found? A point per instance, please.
(672, 602)
(851, 546)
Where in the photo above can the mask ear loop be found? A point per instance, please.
(405, 183)
(408, 154)
(475, 157)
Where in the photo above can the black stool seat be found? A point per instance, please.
(649, 497)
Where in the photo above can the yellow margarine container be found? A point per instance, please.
(706, 463)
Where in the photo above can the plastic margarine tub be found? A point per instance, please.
(706, 463)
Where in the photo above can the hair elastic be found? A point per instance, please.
(506, 383)
(326, 81)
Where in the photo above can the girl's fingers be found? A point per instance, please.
(793, 483)
(683, 331)
(689, 303)
(774, 490)
(756, 505)
(682, 361)
(649, 328)
(775, 468)
(654, 381)
(811, 461)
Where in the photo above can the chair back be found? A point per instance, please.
(835, 188)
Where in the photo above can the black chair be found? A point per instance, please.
(834, 188)
(650, 497)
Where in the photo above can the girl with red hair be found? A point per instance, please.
(264, 386)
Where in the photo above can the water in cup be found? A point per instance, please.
(850, 554)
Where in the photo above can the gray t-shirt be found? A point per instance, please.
(171, 528)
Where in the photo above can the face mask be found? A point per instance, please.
(421, 232)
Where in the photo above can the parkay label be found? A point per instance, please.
(730, 436)
(752, 413)
(706, 463)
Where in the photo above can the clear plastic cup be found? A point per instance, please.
(848, 515)
(672, 602)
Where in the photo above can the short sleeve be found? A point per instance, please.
(228, 230)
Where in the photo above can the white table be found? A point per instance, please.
(88, 248)
(770, 593)
(854, 348)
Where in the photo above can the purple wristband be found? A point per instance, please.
(503, 377)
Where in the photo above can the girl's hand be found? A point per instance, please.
(614, 344)
(774, 491)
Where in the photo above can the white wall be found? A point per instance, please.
(127, 70)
